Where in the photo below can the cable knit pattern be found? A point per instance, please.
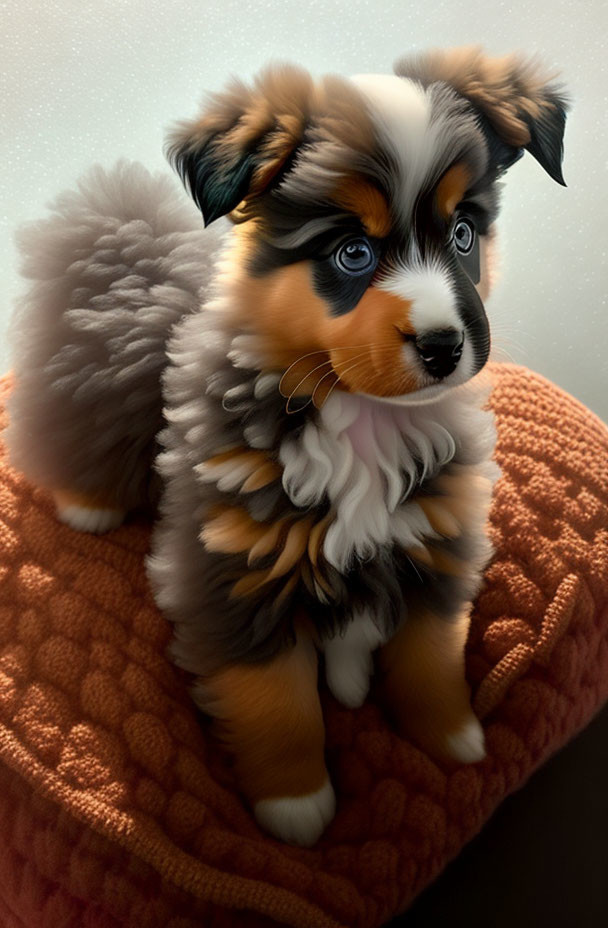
(119, 808)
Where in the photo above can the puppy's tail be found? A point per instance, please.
(117, 263)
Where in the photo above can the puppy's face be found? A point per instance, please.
(363, 211)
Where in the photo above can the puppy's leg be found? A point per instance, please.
(423, 664)
(269, 715)
(425, 688)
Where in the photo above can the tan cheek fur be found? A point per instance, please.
(377, 324)
(298, 334)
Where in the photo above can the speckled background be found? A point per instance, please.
(87, 81)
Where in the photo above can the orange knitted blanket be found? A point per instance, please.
(119, 809)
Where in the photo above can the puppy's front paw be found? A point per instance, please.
(467, 744)
(348, 677)
(298, 819)
(87, 519)
(348, 659)
(87, 514)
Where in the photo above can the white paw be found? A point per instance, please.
(348, 660)
(298, 819)
(347, 675)
(467, 744)
(85, 519)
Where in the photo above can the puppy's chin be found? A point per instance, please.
(433, 392)
(423, 397)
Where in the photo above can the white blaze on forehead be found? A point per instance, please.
(401, 112)
(429, 290)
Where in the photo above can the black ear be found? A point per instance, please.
(500, 155)
(216, 187)
(546, 140)
(547, 136)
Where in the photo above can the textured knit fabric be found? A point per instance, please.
(118, 808)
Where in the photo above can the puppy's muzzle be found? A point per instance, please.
(440, 350)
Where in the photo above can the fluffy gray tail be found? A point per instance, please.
(111, 270)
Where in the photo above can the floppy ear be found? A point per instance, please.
(243, 139)
(518, 106)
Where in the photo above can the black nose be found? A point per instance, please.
(440, 350)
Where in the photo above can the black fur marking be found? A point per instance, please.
(471, 311)
(215, 189)
(500, 155)
(471, 262)
(547, 134)
(267, 257)
(338, 288)
(546, 141)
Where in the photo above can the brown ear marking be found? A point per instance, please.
(243, 137)
(515, 94)
(246, 137)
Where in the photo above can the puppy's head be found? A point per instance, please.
(363, 210)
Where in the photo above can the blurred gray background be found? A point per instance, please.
(94, 80)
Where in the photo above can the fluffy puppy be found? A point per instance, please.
(325, 454)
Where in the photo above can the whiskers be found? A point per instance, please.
(323, 370)
(510, 341)
(328, 374)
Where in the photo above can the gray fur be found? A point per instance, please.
(110, 271)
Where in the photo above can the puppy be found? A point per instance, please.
(305, 382)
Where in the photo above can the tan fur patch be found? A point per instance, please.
(466, 497)
(358, 195)
(295, 542)
(257, 469)
(267, 542)
(423, 678)
(364, 346)
(293, 548)
(375, 329)
(462, 502)
(266, 473)
(451, 189)
(231, 530)
(269, 715)
(439, 516)
(306, 375)
(342, 115)
(436, 559)
(101, 500)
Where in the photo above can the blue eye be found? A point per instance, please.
(355, 257)
(464, 236)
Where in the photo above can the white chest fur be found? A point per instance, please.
(366, 455)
